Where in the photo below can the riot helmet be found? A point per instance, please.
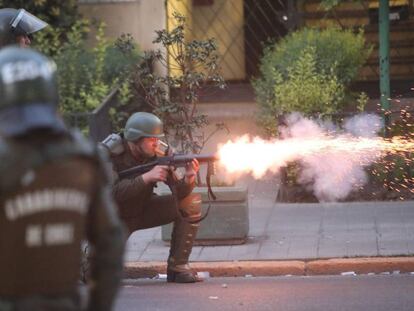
(28, 92)
(14, 23)
(143, 124)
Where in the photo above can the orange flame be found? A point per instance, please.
(258, 156)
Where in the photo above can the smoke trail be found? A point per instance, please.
(364, 125)
(332, 160)
(333, 174)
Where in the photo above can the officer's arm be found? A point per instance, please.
(106, 235)
(125, 190)
(186, 184)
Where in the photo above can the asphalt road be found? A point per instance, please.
(319, 293)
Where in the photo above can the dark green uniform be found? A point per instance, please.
(140, 208)
(54, 194)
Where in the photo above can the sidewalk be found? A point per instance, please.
(296, 234)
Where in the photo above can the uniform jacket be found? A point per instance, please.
(133, 191)
(54, 193)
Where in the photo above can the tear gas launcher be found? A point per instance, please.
(176, 160)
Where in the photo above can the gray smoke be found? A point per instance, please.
(331, 175)
(364, 125)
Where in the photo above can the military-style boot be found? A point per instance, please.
(182, 239)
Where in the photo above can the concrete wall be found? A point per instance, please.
(140, 18)
(223, 21)
(240, 119)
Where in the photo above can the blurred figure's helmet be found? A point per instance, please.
(14, 23)
(143, 124)
(28, 92)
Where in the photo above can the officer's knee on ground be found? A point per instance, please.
(190, 207)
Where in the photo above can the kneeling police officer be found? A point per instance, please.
(139, 207)
(53, 195)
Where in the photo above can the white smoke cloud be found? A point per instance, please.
(364, 125)
(333, 174)
(300, 127)
(332, 159)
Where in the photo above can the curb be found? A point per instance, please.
(133, 270)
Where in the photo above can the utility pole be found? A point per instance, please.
(384, 61)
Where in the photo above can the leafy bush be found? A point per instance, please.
(87, 75)
(308, 71)
(342, 51)
(303, 89)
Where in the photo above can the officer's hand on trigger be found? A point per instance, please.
(158, 173)
(191, 171)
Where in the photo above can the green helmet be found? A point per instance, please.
(15, 23)
(143, 124)
(28, 92)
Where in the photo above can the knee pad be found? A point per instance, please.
(190, 207)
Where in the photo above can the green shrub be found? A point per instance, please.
(308, 71)
(303, 89)
(340, 50)
(87, 75)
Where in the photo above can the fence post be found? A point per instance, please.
(99, 121)
(384, 61)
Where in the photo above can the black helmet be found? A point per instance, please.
(143, 124)
(14, 23)
(28, 92)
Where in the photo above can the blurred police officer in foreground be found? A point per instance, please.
(53, 195)
(139, 207)
(17, 26)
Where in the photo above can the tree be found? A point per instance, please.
(174, 97)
